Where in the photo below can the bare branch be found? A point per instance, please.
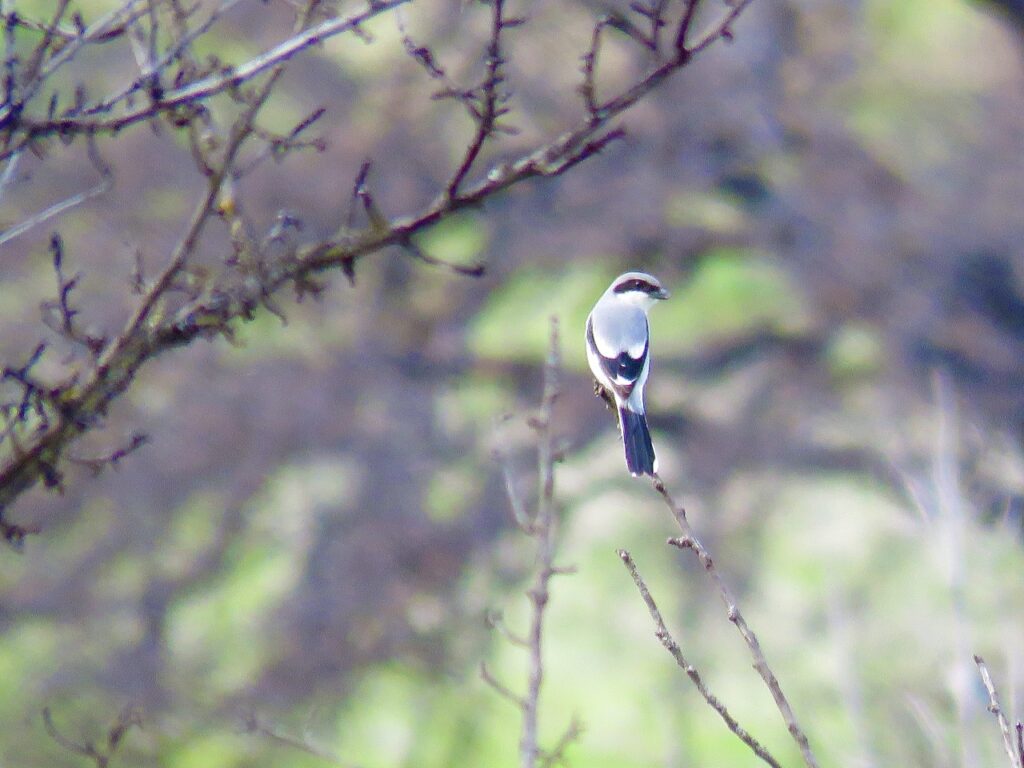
(129, 716)
(113, 459)
(588, 88)
(666, 639)
(470, 270)
(204, 88)
(722, 30)
(485, 101)
(996, 709)
(543, 525)
(500, 688)
(255, 725)
(361, 192)
(149, 78)
(101, 187)
(557, 753)
(59, 314)
(689, 541)
(684, 26)
(111, 24)
(515, 500)
(495, 620)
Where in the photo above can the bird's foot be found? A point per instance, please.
(604, 394)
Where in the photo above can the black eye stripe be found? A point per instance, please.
(636, 285)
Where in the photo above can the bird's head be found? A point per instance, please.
(638, 288)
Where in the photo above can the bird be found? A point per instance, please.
(618, 350)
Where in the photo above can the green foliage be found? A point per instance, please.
(731, 291)
(402, 715)
(229, 617)
(515, 322)
(360, 60)
(453, 490)
(854, 352)
(166, 204)
(217, 748)
(26, 653)
(302, 337)
(471, 405)
(460, 239)
(909, 106)
(716, 211)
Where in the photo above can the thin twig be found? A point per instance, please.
(996, 709)
(689, 541)
(128, 717)
(500, 688)
(97, 31)
(495, 620)
(204, 88)
(666, 639)
(254, 724)
(557, 753)
(684, 26)
(487, 111)
(515, 499)
(145, 79)
(100, 188)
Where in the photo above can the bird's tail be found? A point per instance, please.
(636, 439)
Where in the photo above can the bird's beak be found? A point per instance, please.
(662, 294)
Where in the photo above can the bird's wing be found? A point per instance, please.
(621, 363)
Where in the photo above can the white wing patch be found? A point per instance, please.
(619, 328)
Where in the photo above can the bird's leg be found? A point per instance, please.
(604, 394)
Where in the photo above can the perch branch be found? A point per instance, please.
(996, 709)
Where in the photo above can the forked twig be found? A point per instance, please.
(100, 755)
(666, 639)
(690, 542)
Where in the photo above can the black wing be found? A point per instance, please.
(623, 371)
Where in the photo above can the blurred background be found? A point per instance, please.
(317, 528)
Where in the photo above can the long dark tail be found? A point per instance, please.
(637, 441)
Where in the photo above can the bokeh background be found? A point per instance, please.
(317, 527)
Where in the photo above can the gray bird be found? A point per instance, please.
(618, 350)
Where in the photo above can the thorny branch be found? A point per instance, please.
(666, 639)
(178, 306)
(689, 541)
